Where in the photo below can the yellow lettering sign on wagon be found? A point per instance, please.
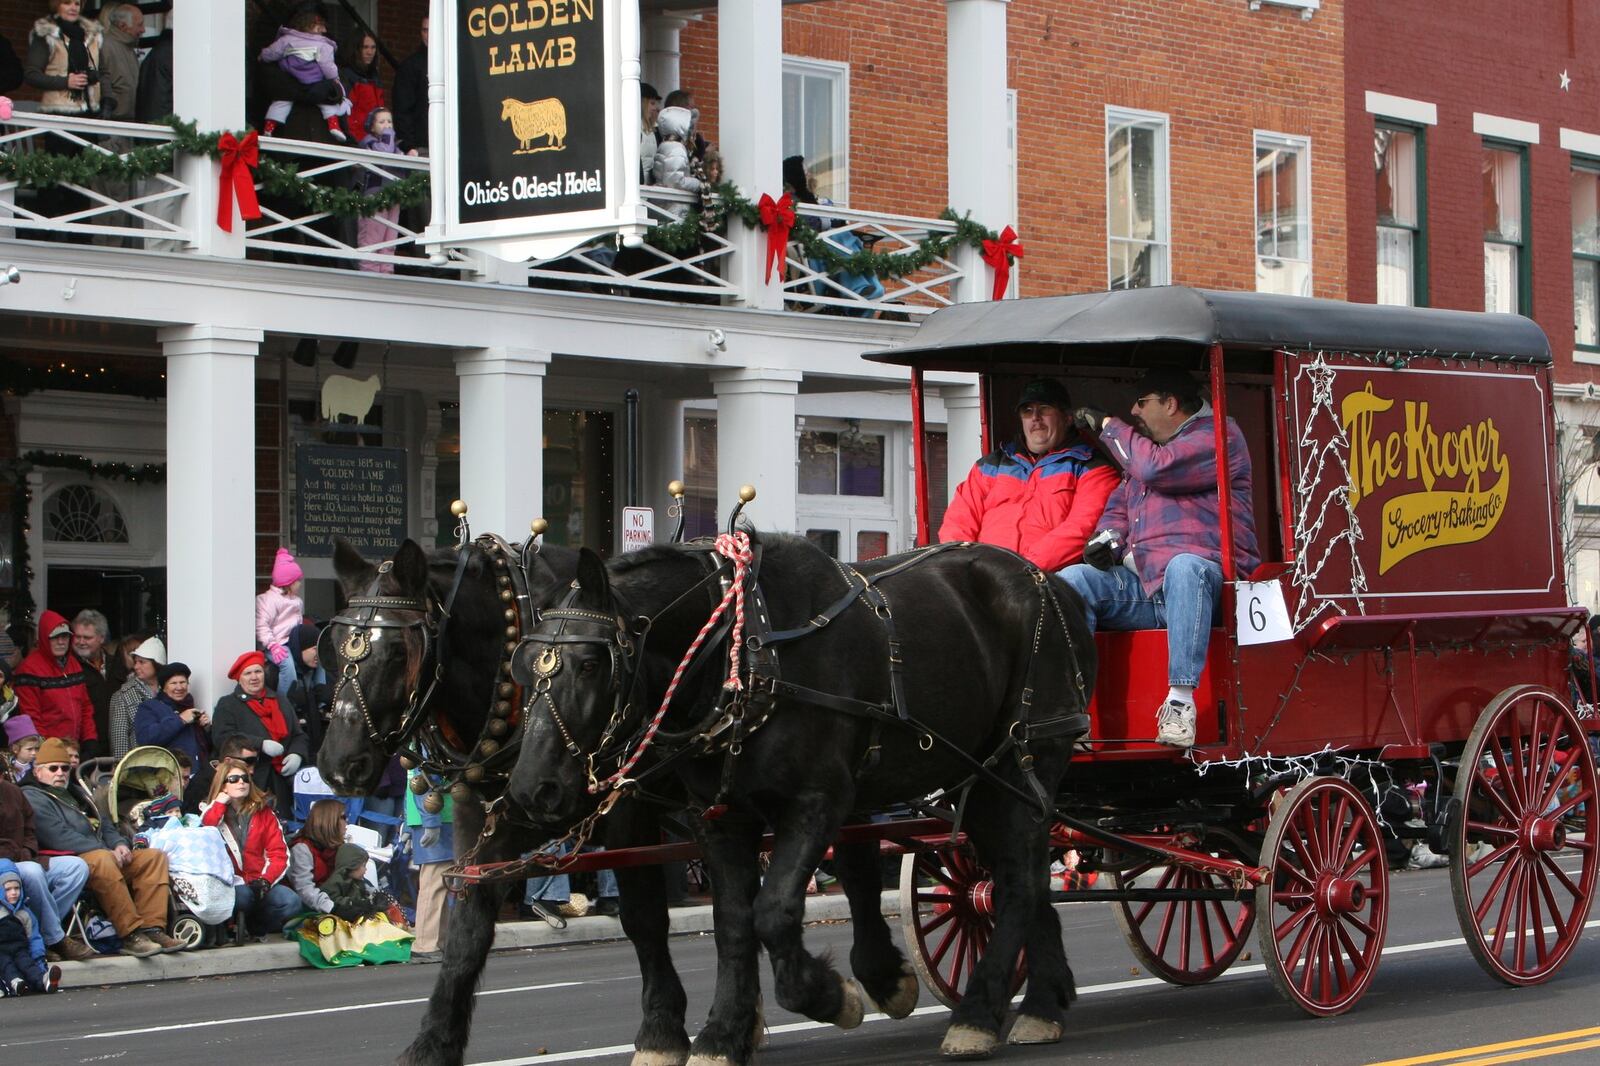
(1446, 469)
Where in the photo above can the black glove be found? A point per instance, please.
(259, 888)
(1101, 551)
(1089, 419)
(351, 912)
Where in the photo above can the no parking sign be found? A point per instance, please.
(638, 528)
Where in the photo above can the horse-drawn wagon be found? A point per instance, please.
(1395, 671)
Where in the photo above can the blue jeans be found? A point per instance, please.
(271, 913)
(1189, 597)
(51, 893)
(557, 888)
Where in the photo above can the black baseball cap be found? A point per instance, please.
(1045, 390)
(1169, 381)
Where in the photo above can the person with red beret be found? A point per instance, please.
(261, 716)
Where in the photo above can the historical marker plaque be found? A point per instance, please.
(355, 493)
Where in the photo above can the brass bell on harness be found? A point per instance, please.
(462, 792)
(407, 763)
(499, 727)
(506, 690)
(433, 802)
(502, 708)
(473, 773)
(488, 747)
(510, 614)
(418, 784)
(506, 595)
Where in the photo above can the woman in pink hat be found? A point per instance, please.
(278, 611)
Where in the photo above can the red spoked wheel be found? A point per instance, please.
(1184, 942)
(1522, 854)
(1326, 908)
(947, 908)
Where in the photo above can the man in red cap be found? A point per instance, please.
(52, 689)
(259, 715)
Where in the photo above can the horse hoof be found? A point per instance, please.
(968, 1042)
(1031, 1030)
(850, 1010)
(660, 1058)
(903, 1000)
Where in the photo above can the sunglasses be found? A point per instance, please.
(51, 768)
(1141, 401)
(235, 779)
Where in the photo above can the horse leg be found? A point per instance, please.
(802, 982)
(1051, 990)
(1012, 845)
(661, 1039)
(731, 848)
(877, 964)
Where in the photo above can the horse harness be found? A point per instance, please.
(739, 711)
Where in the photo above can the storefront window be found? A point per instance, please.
(847, 463)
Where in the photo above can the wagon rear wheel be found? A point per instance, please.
(1184, 942)
(1325, 909)
(947, 907)
(1522, 854)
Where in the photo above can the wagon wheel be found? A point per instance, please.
(947, 909)
(1184, 942)
(1326, 907)
(1525, 790)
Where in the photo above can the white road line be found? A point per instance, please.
(1086, 990)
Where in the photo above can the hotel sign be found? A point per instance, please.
(540, 141)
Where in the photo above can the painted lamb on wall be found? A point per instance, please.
(343, 395)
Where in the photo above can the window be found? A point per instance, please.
(82, 514)
(1586, 254)
(841, 463)
(1283, 214)
(1137, 251)
(1505, 229)
(816, 107)
(1400, 156)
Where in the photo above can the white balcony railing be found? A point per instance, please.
(808, 285)
(142, 212)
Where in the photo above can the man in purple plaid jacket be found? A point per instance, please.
(1156, 561)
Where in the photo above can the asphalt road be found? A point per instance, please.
(579, 1004)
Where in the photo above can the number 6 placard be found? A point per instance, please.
(1261, 614)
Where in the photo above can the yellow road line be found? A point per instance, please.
(1535, 1053)
(1507, 1045)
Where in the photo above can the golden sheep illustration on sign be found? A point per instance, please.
(531, 119)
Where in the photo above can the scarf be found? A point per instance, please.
(321, 858)
(265, 707)
(77, 49)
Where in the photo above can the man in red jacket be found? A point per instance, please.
(52, 689)
(1039, 495)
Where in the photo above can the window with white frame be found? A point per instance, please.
(1505, 228)
(1397, 153)
(1138, 252)
(1283, 214)
(1586, 253)
(816, 113)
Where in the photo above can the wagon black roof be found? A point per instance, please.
(1143, 326)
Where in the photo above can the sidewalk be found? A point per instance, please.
(284, 955)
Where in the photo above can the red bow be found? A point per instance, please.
(999, 254)
(239, 158)
(778, 218)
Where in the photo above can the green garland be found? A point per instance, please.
(725, 199)
(44, 170)
(143, 473)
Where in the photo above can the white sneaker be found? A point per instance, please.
(1175, 724)
(1425, 858)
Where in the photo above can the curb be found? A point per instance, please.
(526, 935)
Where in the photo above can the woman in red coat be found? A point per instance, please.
(255, 840)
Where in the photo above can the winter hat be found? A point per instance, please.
(285, 571)
(306, 635)
(51, 751)
(20, 727)
(8, 877)
(170, 671)
(1045, 390)
(244, 662)
(367, 124)
(155, 651)
(349, 856)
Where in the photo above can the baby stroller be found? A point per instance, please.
(143, 794)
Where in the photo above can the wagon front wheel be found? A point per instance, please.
(947, 909)
(1325, 909)
(1522, 850)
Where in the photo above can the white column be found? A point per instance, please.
(979, 182)
(964, 427)
(662, 52)
(208, 90)
(750, 124)
(756, 444)
(211, 499)
(502, 437)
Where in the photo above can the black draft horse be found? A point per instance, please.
(996, 664)
(362, 737)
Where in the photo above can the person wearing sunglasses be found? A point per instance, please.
(255, 841)
(1156, 560)
(1039, 494)
(197, 793)
(131, 886)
